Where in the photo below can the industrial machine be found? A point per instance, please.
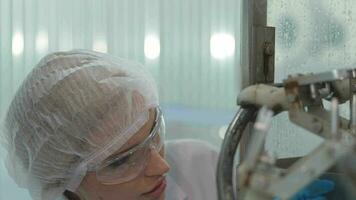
(312, 102)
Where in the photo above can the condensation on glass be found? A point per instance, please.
(311, 36)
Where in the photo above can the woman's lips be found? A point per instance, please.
(157, 191)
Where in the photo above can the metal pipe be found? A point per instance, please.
(334, 118)
(228, 150)
(353, 113)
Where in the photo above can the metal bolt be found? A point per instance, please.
(335, 122)
(353, 73)
(313, 91)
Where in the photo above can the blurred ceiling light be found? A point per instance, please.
(17, 44)
(100, 46)
(42, 41)
(222, 45)
(152, 47)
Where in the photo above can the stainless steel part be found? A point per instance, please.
(353, 113)
(353, 101)
(309, 168)
(227, 153)
(256, 147)
(322, 77)
(335, 118)
(261, 127)
(305, 105)
(304, 94)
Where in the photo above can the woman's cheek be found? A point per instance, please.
(124, 191)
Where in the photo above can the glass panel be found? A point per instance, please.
(311, 36)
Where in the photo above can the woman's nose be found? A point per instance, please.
(157, 165)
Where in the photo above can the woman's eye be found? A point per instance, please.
(119, 162)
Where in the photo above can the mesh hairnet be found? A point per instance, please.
(72, 111)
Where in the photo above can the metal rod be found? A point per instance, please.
(313, 91)
(353, 113)
(259, 134)
(334, 118)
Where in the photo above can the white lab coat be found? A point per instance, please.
(193, 169)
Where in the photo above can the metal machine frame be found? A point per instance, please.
(304, 95)
(258, 176)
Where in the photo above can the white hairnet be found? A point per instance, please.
(73, 110)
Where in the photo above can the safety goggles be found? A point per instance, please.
(128, 165)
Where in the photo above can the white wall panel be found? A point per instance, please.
(197, 91)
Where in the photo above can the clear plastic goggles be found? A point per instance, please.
(128, 165)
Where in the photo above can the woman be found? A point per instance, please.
(87, 126)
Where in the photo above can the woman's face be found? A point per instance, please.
(150, 184)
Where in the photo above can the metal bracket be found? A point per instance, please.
(264, 53)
